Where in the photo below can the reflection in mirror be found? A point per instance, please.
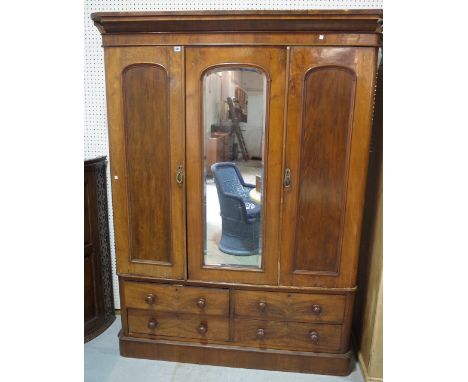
(234, 102)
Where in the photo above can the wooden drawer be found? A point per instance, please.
(177, 325)
(176, 298)
(288, 335)
(290, 306)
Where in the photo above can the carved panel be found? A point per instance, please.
(87, 222)
(146, 113)
(327, 113)
(98, 291)
(89, 303)
(104, 244)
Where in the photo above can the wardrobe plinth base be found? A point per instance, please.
(236, 356)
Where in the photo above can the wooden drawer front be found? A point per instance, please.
(290, 306)
(176, 298)
(177, 325)
(288, 335)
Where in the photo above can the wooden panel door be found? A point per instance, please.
(330, 96)
(146, 131)
(271, 62)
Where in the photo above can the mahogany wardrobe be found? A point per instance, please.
(239, 145)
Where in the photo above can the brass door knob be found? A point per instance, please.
(152, 324)
(201, 303)
(262, 306)
(316, 309)
(260, 333)
(202, 328)
(150, 298)
(314, 336)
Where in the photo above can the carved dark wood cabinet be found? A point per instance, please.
(98, 293)
(239, 148)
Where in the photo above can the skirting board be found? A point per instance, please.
(236, 356)
(365, 373)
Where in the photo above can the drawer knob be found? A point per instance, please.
(316, 309)
(152, 324)
(260, 333)
(262, 306)
(314, 336)
(203, 328)
(150, 298)
(201, 303)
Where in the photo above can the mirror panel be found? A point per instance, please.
(234, 106)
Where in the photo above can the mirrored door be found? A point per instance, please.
(235, 105)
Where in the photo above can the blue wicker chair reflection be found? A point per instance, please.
(241, 218)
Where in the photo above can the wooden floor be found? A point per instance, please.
(103, 363)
